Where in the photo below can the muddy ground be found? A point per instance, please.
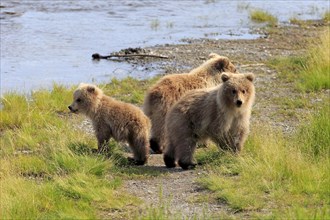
(180, 188)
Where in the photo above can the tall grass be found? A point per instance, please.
(263, 17)
(276, 177)
(310, 72)
(129, 89)
(47, 169)
(326, 16)
(316, 74)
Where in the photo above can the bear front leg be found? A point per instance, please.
(169, 155)
(185, 150)
(239, 140)
(103, 134)
(139, 144)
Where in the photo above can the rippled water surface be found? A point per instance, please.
(43, 42)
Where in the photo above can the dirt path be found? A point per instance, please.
(177, 190)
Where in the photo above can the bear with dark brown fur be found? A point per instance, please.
(220, 114)
(112, 118)
(170, 88)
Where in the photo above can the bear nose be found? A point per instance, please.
(239, 103)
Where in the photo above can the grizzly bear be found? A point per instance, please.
(112, 118)
(221, 114)
(170, 88)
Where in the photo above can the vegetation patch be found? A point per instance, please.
(310, 72)
(260, 16)
(47, 168)
(277, 176)
(289, 178)
(326, 16)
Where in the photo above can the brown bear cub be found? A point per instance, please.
(170, 88)
(112, 118)
(221, 114)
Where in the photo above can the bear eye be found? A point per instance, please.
(78, 100)
(243, 91)
(234, 91)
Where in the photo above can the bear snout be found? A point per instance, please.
(71, 109)
(239, 103)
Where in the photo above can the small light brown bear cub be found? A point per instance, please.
(221, 114)
(170, 88)
(112, 118)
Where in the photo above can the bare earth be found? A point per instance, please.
(179, 189)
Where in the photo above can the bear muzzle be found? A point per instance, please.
(72, 110)
(239, 103)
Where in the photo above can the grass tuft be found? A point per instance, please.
(310, 72)
(316, 74)
(260, 16)
(326, 16)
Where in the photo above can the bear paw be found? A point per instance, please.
(187, 166)
(132, 161)
(169, 161)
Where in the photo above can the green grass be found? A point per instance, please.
(316, 75)
(310, 72)
(326, 16)
(129, 89)
(305, 23)
(287, 177)
(47, 168)
(260, 16)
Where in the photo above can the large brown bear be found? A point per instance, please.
(170, 88)
(221, 114)
(112, 118)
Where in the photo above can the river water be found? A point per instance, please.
(51, 41)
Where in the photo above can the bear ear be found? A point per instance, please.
(221, 63)
(225, 77)
(213, 55)
(250, 76)
(91, 88)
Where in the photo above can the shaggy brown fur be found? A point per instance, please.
(221, 114)
(112, 118)
(170, 88)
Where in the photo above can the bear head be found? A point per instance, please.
(214, 66)
(220, 63)
(85, 99)
(237, 90)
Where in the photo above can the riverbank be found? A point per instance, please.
(48, 169)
